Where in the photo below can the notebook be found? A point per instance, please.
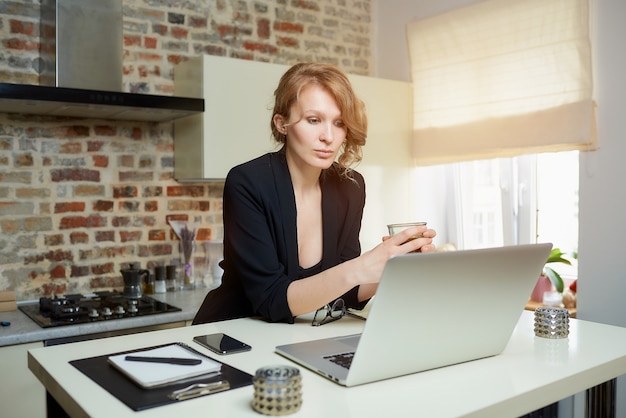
(431, 310)
(151, 375)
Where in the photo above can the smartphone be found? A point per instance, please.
(221, 343)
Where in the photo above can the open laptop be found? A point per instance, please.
(431, 310)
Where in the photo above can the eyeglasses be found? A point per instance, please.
(330, 313)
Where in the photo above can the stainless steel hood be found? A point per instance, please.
(81, 55)
(98, 104)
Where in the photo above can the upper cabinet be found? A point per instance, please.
(84, 103)
(239, 98)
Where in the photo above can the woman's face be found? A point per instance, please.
(315, 130)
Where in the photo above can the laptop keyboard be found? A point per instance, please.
(343, 359)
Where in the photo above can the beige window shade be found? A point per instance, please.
(502, 78)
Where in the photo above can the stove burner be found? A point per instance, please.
(99, 306)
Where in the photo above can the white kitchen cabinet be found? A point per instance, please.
(235, 127)
(21, 394)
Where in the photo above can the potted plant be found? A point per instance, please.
(550, 278)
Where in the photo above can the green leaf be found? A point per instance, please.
(556, 256)
(555, 278)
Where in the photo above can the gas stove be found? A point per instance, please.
(98, 306)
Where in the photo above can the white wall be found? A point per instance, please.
(602, 229)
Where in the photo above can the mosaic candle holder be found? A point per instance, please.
(551, 322)
(277, 390)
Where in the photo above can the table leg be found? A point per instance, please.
(600, 400)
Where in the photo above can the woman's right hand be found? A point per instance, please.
(372, 262)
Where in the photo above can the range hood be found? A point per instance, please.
(97, 104)
(81, 69)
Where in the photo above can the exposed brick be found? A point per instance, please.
(58, 272)
(126, 236)
(21, 27)
(130, 40)
(127, 206)
(204, 234)
(263, 28)
(102, 206)
(16, 177)
(197, 22)
(80, 271)
(24, 193)
(160, 249)
(260, 47)
(20, 45)
(37, 224)
(71, 148)
(89, 190)
(152, 191)
(104, 130)
(288, 27)
(103, 268)
(287, 42)
(120, 221)
(56, 256)
(74, 174)
(135, 176)
(53, 240)
(179, 33)
(193, 191)
(150, 42)
(102, 236)
(126, 161)
(63, 207)
(158, 235)
(151, 206)
(124, 191)
(79, 238)
(100, 161)
(9, 226)
(159, 29)
(105, 282)
(73, 222)
(16, 208)
(23, 160)
(309, 5)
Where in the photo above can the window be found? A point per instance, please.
(520, 200)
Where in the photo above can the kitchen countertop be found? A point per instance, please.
(530, 373)
(24, 330)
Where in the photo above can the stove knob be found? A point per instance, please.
(119, 310)
(93, 313)
(106, 311)
(133, 308)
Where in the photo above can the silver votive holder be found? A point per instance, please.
(277, 390)
(551, 322)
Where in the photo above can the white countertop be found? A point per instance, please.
(24, 330)
(531, 372)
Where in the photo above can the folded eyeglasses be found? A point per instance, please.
(330, 313)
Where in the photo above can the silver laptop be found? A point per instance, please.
(431, 310)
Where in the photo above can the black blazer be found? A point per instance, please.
(260, 238)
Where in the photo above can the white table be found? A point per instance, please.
(531, 372)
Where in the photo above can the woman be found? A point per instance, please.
(292, 218)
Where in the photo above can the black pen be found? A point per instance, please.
(168, 360)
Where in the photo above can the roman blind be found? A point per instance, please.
(502, 78)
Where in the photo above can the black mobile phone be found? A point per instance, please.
(221, 343)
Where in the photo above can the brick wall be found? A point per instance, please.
(80, 198)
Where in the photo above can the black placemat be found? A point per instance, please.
(100, 371)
